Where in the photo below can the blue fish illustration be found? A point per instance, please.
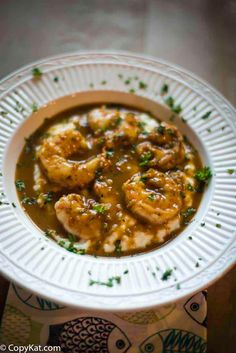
(173, 341)
(34, 301)
(195, 307)
(89, 335)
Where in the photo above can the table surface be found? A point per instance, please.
(198, 35)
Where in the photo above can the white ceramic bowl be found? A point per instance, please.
(38, 264)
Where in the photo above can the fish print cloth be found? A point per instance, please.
(178, 327)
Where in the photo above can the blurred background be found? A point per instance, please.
(198, 35)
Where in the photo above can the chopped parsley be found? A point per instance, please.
(126, 272)
(178, 286)
(118, 121)
(164, 89)
(34, 107)
(103, 82)
(110, 154)
(203, 224)
(100, 208)
(110, 282)
(20, 185)
(161, 129)
(145, 158)
(36, 72)
(190, 238)
(48, 197)
(166, 275)
(142, 85)
(132, 90)
(143, 178)
(72, 238)
(4, 203)
(49, 233)
(206, 115)
(152, 197)
(190, 187)
(127, 82)
(189, 212)
(230, 171)
(171, 104)
(118, 247)
(197, 264)
(203, 174)
(29, 201)
(218, 225)
(13, 205)
(56, 79)
(3, 114)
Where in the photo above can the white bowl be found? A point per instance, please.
(38, 264)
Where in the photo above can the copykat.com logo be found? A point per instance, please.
(28, 348)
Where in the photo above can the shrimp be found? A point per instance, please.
(163, 148)
(80, 217)
(54, 153)
(154, 196)
(116, 126)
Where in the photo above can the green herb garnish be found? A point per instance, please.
(145, 158)
(36, 72)
(142, 85)
(100, 208)
(34, 107)
(161, 129)
(171, 104)
(206, 115)
(230, 171)
(166, 275)
(190, 187)
(48, 197)
(29, 201)
(152, 197)
(189, 212)
(218, 225)
(110, 282)
(20, 185)
(103, 82)
(203, 174)
(110, 154)
(56, 79)
(118, 247)
(164, 88)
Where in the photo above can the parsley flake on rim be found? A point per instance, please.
(110, 282)
(164, 89)
(37, 72)
(206, 115)
(171, 104)
(166, 275)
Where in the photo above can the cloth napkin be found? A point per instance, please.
(173, 328)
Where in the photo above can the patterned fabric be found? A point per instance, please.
(176, 328)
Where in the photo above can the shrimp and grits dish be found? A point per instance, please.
(109, 180)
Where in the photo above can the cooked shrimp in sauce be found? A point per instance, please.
(108, 180)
